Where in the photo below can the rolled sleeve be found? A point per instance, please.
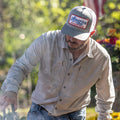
(105, 92)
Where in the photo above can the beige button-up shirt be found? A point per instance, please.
(63, 85)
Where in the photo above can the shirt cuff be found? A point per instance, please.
(103, 116)
(5, 87)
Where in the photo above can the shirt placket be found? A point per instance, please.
(69, 68)
(70, 65)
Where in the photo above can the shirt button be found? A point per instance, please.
(68, 74)
(64, 87)
(70, 59)
(79, 68)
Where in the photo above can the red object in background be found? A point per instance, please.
(96, 5)
(113, 40)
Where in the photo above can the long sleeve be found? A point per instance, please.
(105, 92)
(23, 66)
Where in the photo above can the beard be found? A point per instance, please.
(80, 47)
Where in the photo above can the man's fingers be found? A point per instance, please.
(8, 98)
(12, 101)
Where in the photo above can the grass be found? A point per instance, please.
(23, 112)
(20, 112)
(90, 113)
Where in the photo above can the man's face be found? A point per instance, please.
(75, 44)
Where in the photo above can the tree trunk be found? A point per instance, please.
(1, 28)
(60, 1)
(116, 79)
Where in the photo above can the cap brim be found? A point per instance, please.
(74, 33)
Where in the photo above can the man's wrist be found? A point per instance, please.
(104, 117)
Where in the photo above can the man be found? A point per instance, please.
(71, 62)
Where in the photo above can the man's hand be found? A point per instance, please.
(8, 98)
(104, 117)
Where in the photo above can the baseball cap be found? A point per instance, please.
(80, 23)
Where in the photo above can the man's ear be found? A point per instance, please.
(92, 33)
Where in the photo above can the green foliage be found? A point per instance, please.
(92, 118)
(10, 114)
(34, 77)
(111, 20)
(26, 20)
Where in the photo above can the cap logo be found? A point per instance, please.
(78, 21)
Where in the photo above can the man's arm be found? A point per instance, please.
(19, 71)
(24, 65)
(105, 92)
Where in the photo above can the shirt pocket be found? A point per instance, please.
(58, 69)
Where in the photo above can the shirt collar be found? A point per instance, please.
(90, 52)
(64, 43)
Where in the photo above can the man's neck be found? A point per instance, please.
(77, 53)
